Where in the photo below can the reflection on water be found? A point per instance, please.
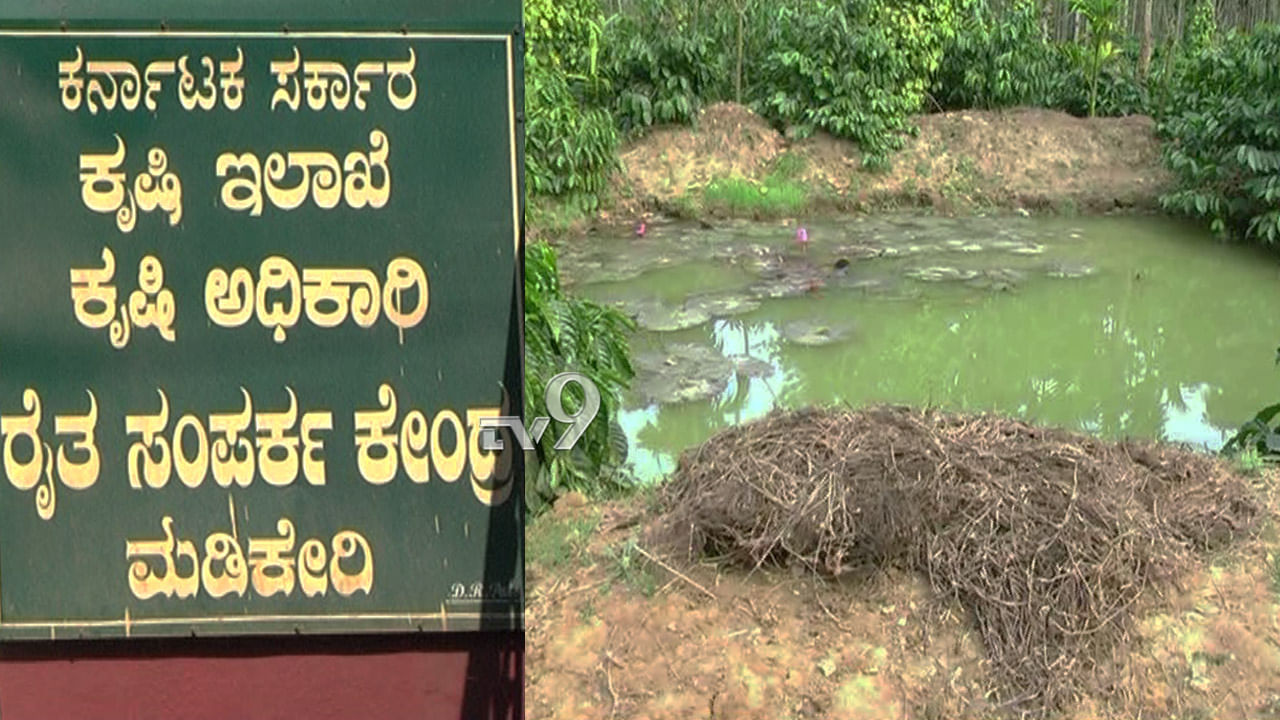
(1186, 419)
(1115, 326)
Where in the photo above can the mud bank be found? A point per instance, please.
(1031, 159)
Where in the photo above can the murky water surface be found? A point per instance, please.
(1116, 326)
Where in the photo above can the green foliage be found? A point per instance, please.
(1250, 461)
(998, 60)
(633, 568)
(1002, 58)
(775, 197)
(547, 217)
(1258, 436)
(1114, 90)
(1104, 19)
(788, 166)
(568, 334)
(1222, 130)
(1275, 588)
(556, 543)
(780, 194)
(570, 146)
(662, 64)
(1203, 28)
(857, 69)
(565, 35)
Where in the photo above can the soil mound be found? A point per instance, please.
(1023, 157)
(1049, 538)
(1032, 158)
(727, 140)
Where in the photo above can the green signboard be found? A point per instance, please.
(258, 287)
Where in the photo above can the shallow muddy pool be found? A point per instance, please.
(1119, 326)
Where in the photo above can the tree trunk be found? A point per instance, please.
(1144, 56)
(737, 79)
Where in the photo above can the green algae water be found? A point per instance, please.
(1116, 326)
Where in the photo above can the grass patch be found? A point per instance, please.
(776, 196)
(788, 166)
(962, 185)
(634, 569)
(550, 216)
(1249, 462)
(780, 194)
(1275, 571)
(554, 543)
(686, 206)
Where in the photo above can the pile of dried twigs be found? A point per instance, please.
(1047, 537)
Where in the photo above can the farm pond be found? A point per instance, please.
(1124, 326)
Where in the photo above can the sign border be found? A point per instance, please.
(462, 620)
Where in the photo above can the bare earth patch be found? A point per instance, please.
(712, 643)
(1028, 158)
(670, 161)
(606, 643)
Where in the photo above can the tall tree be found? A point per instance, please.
(1144, 55)
(740, 7)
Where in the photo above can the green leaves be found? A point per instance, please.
(1222, 135)
(998, 59)
(563, 334)
(570, 145)
(857, 69)
(664, 60)
(1257, 433)
(1203, 28)
(1104, 18)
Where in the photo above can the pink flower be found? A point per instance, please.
(802, 237)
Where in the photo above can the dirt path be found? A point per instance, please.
(1025, 158)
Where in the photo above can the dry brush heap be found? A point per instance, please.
(1048, 538)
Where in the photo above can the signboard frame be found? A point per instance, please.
(507, 616)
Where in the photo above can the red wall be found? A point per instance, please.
(476, 676)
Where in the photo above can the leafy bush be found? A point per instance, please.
(570, 145)
(1203, 28)
(1257, 441)
(661, 63)
(1104, 20)
(857, 69)
(1257, 437)
(570, 149)
(568, 334)
(1222, 131)
(1003, 59)
(565, 34)
(998, 60)
(1114, 91)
